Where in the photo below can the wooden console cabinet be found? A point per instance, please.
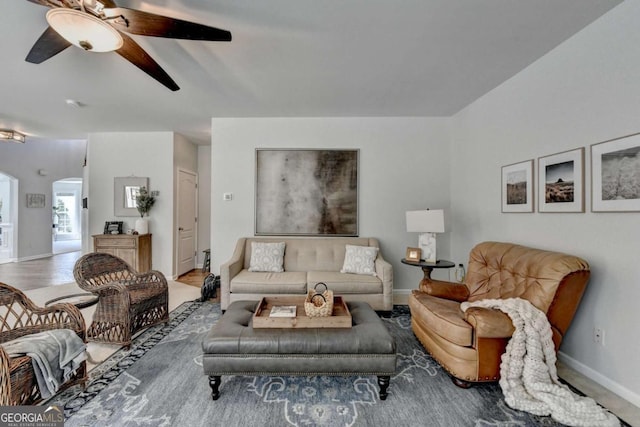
(134, 249)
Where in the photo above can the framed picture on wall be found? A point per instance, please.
(125, 191)
(561, 182)
(517, 187)
(306, 192)
(35, 200)
(615, 175)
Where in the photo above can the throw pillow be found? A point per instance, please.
(267, 257)
(360, 260)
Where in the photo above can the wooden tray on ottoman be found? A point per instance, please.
(341, 318)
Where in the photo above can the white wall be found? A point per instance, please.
(404, 165)
(185, 154)
(61, 159)
(583, 92)
(204, 201)
(141, 154)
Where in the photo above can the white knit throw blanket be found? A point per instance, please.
(528, 375)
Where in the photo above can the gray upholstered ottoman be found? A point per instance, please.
(233, 347)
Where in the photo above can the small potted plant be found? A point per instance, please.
(144, 203)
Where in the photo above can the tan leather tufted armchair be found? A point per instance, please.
(469, 344)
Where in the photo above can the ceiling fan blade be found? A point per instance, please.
(149, 24)
(49, 3)
(108, 3)
(133, 53)
(49, 44)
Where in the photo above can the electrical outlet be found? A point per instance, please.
(227, 197)
(598, 336)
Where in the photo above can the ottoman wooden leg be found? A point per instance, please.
(383, 382)
(214, 383)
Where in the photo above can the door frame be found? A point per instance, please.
(76, 185)
(176, 234)
(14, 214)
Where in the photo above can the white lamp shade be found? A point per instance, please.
(425, 221)
(84, 30)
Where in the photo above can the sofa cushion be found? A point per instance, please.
(341, 283)
(288, 282)
(360, 260)
(313, 253)
(444, 317)
(267, 257)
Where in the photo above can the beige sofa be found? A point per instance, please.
(307, 261)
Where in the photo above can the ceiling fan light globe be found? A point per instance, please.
(84, 30)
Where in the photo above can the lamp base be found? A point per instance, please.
(427, 243)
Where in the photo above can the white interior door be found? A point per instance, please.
(187, 208)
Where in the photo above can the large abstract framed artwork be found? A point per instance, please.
(615, 175)
(561, 182)
(517, 187)
(306, 192)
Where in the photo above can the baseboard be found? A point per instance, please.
(32, 257)
(401, 296)
(623, 392)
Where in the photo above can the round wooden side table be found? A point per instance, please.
(427, 267)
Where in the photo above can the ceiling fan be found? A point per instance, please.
(100, 26)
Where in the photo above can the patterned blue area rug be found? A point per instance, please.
(159, 381)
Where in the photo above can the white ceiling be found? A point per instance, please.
(304, 58)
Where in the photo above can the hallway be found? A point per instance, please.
(64, 246)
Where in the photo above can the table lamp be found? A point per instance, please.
(428, 223)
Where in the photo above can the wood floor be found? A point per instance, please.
(193, 278)
(39, 273)
(58, 270)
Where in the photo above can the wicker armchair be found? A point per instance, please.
(19, 316)
(128, 301)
